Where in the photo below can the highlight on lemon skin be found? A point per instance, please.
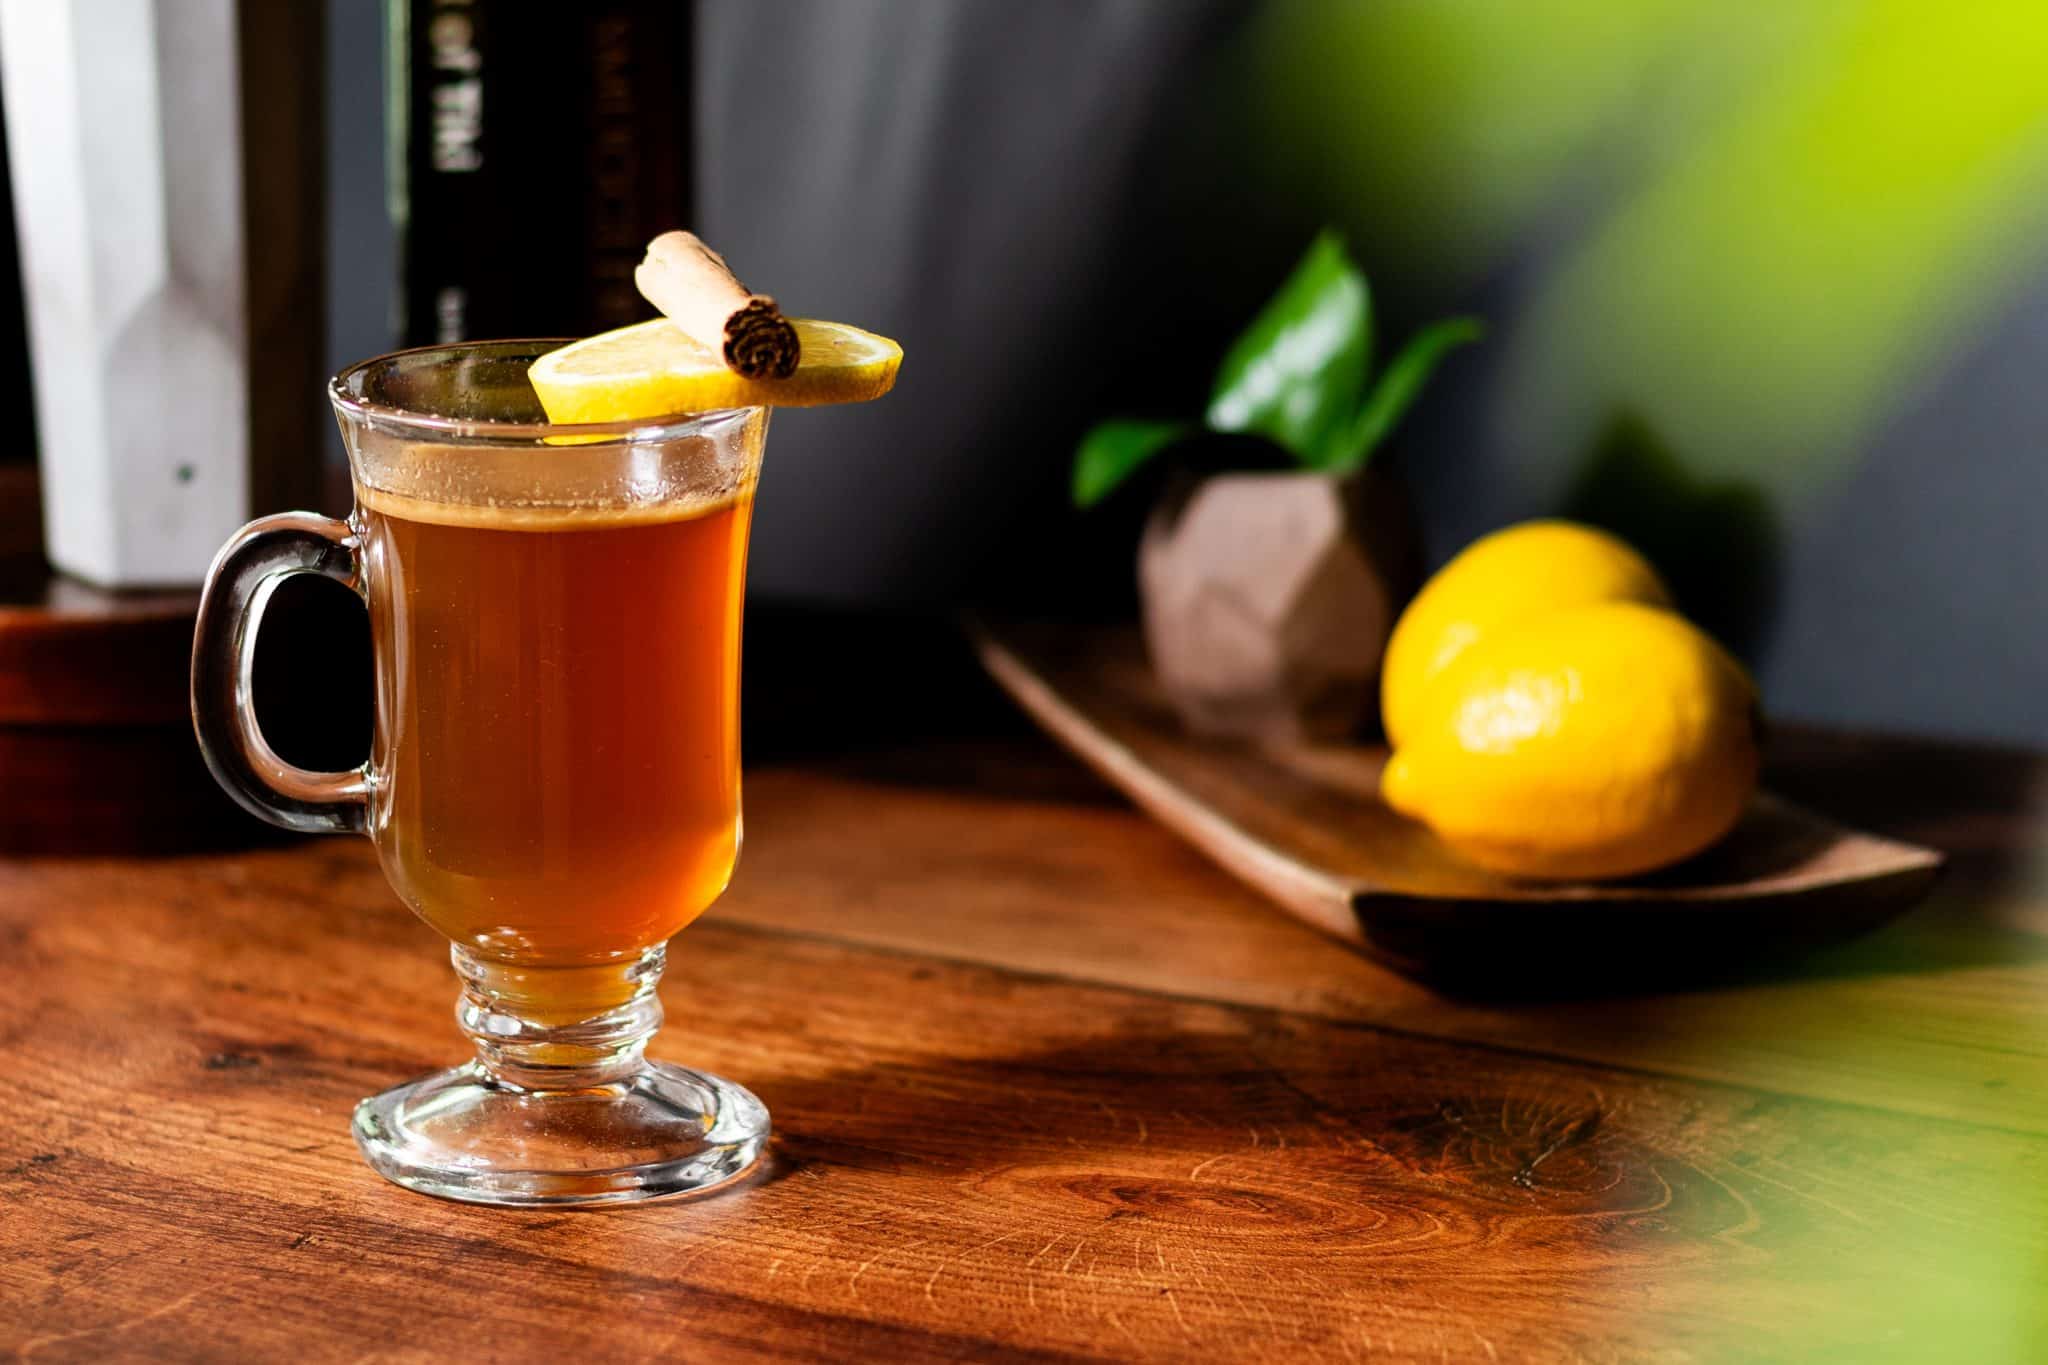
(1596, 742)
(1502, 579)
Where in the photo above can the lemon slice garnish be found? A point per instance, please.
(654, 369)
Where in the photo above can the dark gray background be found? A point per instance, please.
(1002, 188)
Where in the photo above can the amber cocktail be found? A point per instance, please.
(554, 780)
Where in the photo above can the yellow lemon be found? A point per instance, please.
(1598, 741)
(1500, 579)
(654, 369)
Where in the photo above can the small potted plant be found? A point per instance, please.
(1276, 560)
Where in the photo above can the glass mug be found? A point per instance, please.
(553, 781)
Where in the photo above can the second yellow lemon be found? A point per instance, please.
(1599, 741)
(1500, 580)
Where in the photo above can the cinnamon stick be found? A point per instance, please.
(692, 284)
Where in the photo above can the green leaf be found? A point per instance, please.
(1297, 373)
(1396, 392)
(1112, 452)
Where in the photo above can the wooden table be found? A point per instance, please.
(1046, 1084)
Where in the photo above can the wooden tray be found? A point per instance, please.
(1305, 826)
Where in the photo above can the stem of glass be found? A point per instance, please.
(559, 1028)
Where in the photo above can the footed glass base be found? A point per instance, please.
(660, 1131)
(560, 1105)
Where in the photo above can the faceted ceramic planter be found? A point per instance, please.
(1268, 598)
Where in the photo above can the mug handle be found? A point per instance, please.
(244, 574)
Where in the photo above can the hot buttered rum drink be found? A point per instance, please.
(557, 721)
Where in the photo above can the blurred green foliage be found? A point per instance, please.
(1758, 226)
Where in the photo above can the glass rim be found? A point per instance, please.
(664, 428)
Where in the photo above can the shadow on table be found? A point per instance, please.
(1151, 1104)
(1322, 1148)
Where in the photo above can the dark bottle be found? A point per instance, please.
(535, 150)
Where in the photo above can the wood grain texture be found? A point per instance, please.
(1047, 1085)
(1038, 867)
(1304, 825)
(971, 1163)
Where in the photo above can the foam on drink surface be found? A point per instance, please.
(561, 489)
(528, 517)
